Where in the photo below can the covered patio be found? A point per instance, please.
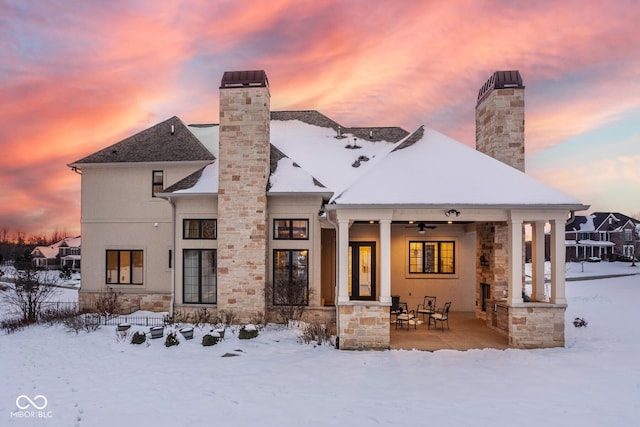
(466, 332)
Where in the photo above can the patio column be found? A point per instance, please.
(515, 261)
(557, 261)
(343, 261)
(385, 261)
(537, 267)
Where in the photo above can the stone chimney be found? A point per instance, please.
(500, 118)
(242, 201)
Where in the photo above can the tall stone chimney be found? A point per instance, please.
(500, 118)
(242, 201)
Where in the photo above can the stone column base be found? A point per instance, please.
(364, 327)
(536, 325)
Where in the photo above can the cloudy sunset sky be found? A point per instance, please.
(76, 76)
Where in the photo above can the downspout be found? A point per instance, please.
(335, 226)
(173, 256)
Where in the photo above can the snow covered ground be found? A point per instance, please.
(96, 379)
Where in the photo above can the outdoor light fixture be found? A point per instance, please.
(452, 212)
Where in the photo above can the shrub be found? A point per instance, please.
(65, 272)
(289, 299)
(201, 317)
(30, 292)
(108, 303)
(171, 339)
(138, 338)
(227, 317)
(579, 322)
(82, 322)
(209, 340)
(12, 325)
(316, 332)
(248, 332)
(179, 316)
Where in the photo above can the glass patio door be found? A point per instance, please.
(362, 270)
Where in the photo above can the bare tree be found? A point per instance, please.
(29, 292)
(289, 299)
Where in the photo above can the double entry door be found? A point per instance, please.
(362, 270)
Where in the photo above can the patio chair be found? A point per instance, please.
(441, 315)
(405, 316)
(427, 307)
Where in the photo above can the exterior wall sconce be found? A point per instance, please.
(452, 212)
(484, 262)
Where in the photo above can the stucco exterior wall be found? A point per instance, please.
(191, 207)
(119, 213)
(298, 207)
(457, 288)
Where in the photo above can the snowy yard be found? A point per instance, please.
(98, 380)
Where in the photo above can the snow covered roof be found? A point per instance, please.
(600, 221)
(51, 251)
(429, 168)
(375, 166)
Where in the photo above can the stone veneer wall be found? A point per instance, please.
(364, 327)
(491, 241)
(129, 301)
(242, 201)
(500, 126)
(537, 325)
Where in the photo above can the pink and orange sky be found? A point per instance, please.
(78, 76)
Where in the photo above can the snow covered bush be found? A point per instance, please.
(209, 340)
(579, 322)
(138, 338)
(247, 332)
(171, 339)
(317, 332)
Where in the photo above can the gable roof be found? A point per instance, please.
(168, 141)
(310, 153)
(52, 250)
(429, 168)
(600, 221)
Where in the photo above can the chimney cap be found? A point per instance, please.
(501, 80)
(236, 79)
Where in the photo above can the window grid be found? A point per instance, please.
(428, 257)
(199, 276)
(157, 182)
(290, 276)
(124, 267)
(200, 229)
(291, 229)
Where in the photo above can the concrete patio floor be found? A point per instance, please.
(465, 333)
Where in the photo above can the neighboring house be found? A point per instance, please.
(55, 256)
(603, 235)
(224, 215)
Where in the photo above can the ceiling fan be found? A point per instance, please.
(421, 226)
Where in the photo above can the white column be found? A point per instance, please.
(343, 261)
(515, 261)
(537, 268)
(557, 262)
(385, 261)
